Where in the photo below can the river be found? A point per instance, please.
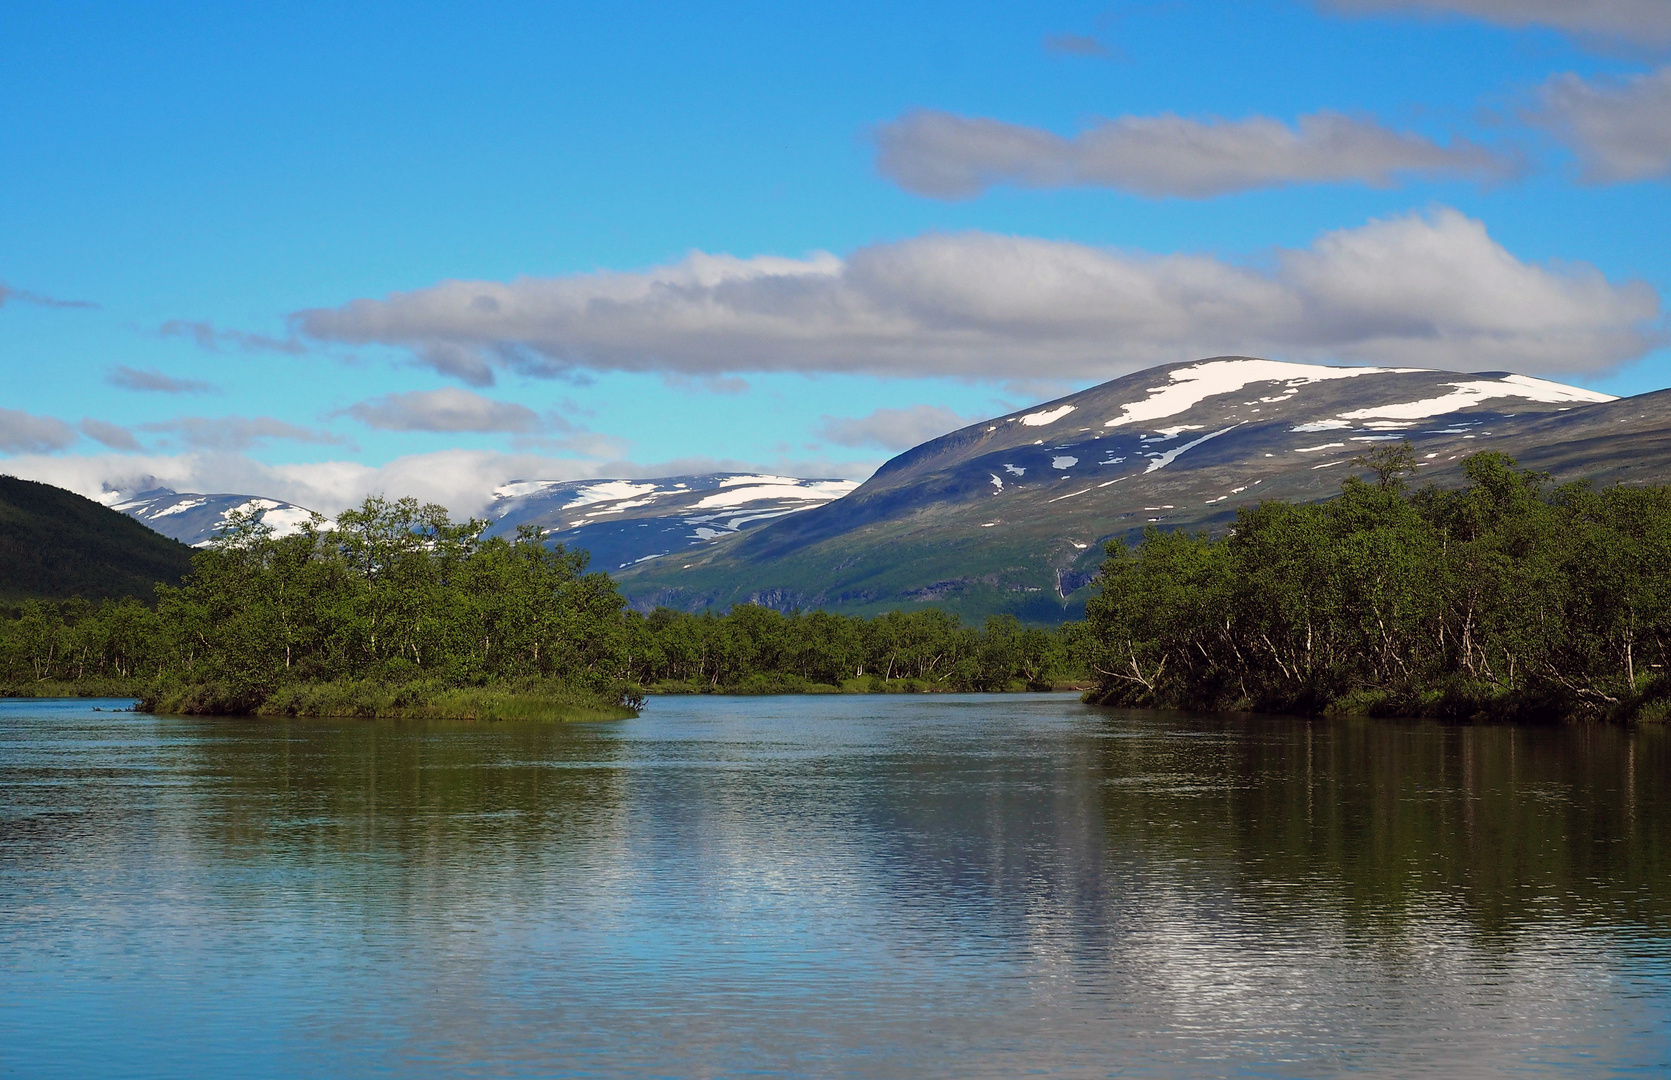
(940, 886)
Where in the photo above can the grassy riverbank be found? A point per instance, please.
(371, 699)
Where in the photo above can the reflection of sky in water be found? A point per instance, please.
(852, 886)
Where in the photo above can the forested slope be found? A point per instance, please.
(55, 544)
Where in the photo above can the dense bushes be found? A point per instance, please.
(1506, 599)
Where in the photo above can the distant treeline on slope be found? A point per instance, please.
(55, 544)
(1505, 600)
(399, 595)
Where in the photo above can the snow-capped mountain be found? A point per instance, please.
(626, 522)
(194, 519)
(621, 522)
(1010, 514)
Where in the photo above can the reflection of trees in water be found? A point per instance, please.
(997, 833)
(1387, 823)
(1021, 879)
(1382, 825)
(441, 807)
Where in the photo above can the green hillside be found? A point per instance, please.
(54, 544)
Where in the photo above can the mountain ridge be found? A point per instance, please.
(1009, 514)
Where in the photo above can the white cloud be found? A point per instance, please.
(22, 432)
(154, 381)
(447, 409)
(1637, 21)
(1619, 128)
(114, 436)
(237, 432)
(461, 480)
(892, 429)
(954, 157)
(1431, 290)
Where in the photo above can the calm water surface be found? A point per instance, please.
(868, 887)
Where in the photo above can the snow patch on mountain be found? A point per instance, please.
(1466, 395)
(624, 522)
(1191, 385)
(1047, 416)
(1161, 461)
(196, 519)
(758, 488)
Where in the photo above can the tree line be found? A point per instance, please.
(1510, 598)
(399, 594)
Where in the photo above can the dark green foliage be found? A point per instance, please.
(79, 648)
(399, 608)
(1505, 599)
(55, 545)
(397, 594)
(756, 649)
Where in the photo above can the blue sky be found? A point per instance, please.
(427, 248)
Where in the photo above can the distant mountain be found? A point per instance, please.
(195, 519)
(621, 522)
(625, 523)
(1009, 515)
(54, 545)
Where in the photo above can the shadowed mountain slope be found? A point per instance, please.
(54, 544)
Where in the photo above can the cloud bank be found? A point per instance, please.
(1428, 290)
(1639, 21)
(1620, 129)
(957, 157)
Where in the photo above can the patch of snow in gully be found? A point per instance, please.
(1170, 456)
